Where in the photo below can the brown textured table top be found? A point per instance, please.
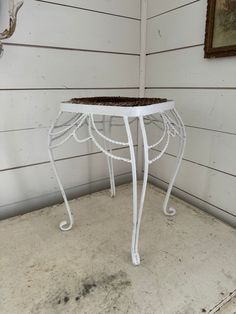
(117, 101)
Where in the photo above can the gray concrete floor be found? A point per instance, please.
(188, 261)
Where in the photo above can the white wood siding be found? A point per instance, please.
(205, 95)
(60, 50)
(161, 7)
(49, 68)
(66, 27)
(125, 8)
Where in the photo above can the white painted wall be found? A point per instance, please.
(205, 94)
(61, 49)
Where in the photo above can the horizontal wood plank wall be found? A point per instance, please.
(66, 27)
(126, 9)
(205, 95)
(61, 49)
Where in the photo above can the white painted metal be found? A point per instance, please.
(182, 137)
(109, 159)
(92, 137)
(63, 225)
(134, 252)
(83, 114)
(145, 178)
(118, 110)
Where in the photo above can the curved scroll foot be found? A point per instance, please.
(182, 137)
(65, 226)
(135, 258)
(169, 211)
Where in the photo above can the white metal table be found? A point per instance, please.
(128, 109)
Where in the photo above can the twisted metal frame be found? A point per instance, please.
(172, 127)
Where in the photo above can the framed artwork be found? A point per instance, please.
(220, 37)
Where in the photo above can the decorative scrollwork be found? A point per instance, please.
(73, 122)
(93, 127)
(162, 137)
(105, 137)
(72, 129)
(171, 128)
(173, 125)
(78, 123)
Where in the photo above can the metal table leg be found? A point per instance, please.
(180, 132)
(109, 159)
(172, 127)
(64, 225)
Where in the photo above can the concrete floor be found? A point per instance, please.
(188, 261)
